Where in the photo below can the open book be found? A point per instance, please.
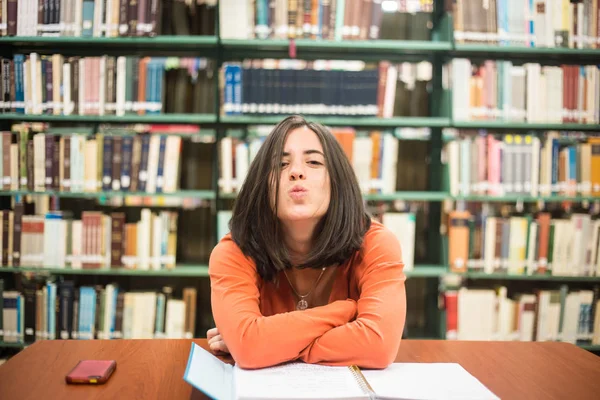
(300, 381)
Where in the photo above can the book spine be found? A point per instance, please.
(12, 9)
(126, 165)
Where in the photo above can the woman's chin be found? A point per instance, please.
(298, 216)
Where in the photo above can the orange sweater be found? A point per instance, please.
(362, 324)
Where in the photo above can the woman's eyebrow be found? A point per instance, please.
(310, 151)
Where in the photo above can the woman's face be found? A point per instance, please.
(304, 189)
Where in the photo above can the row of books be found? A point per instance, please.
(482, 239)
(106, 85)
(483, 163)
(94, 240)
(79, 163)
(500, 90)
(325, 87)
(571, 316)
(107, 18)
(539, 23)
(326, 19)
(374, 156)
(61, 310)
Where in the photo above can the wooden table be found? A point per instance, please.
(153, 369)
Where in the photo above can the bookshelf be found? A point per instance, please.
(439, 49)
(89, 119)
(178, 271)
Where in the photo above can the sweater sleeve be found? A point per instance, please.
(254, 340)
(372, 340)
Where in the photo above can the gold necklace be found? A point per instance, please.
(302, 303)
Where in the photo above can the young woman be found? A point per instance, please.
(304, 273)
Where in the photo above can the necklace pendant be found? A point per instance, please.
(302, 305)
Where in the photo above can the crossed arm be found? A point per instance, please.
(366, 332)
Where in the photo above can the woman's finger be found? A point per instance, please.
(219, 346)
(211, 333)
(215, 339)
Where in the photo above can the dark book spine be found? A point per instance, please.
(143, 175)
(11, 17)
(49, 161)
(133, 17)
(96, 321)
(117, 236)
(56, 15)
(40, 12)
(6, 80)
(136, 153)
(17, 228)
(75, 320)
(30, 311)
(107, 163)
(66, 290)
(124, 18)
(23, 141)
(5, 233)
(75, 84)
(118, 334)
(161, 163)
(117, 158)
(30, 165)
(48, 86)
(56, 167)
(48, 8)
(66, 184)
(126, 164)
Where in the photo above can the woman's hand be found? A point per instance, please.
(216, 342)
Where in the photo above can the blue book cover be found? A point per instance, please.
(228, 100)
(87, 18)
(19, 91)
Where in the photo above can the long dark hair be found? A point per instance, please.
(254, 225)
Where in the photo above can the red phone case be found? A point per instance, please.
(91, 371)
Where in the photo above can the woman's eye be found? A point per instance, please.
(315, 162)
(284, 164)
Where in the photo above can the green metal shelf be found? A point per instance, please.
(409, 196)
(525, 198)
(171, 44)
(467, 50)
(427, 271)
(590, 347)
(18, 345)
(416, 122)
(555, 278)
(198, 194)
(179, 271)
(423, 46)
(508, 125)
(145, 119)
(332, 49)
(182, 270)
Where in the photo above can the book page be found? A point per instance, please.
(298, 381)
(208, 374)
(429, 381)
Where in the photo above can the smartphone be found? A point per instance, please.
(91, 371)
